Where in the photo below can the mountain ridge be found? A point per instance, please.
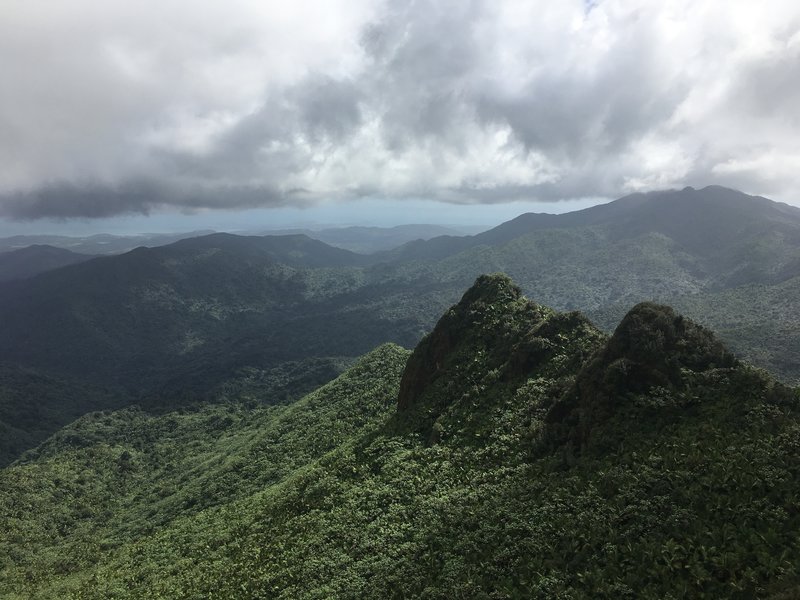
(175, 325)
(486, 500)
(38, 258)
(651, 217)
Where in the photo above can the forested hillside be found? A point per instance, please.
(175, 325)
(517, 452)
(32, 260)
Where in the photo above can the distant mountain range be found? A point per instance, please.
(32, 260)
(179, 324)
(367, 240)
(713, 223)
(103, 243)
(364, 240)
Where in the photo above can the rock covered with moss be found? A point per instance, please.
(652, 348)
(494, 338)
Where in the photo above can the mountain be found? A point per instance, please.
(32, 260)
(695, 249)
(709, 222)
(181, 324)
(196, 321)
(517, 452)
(102, 243)
(148, 315)
(367, 240)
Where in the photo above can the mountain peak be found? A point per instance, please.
(655, 336)
(496, 287)
(652, 347)
(477, 316)
(493, 335)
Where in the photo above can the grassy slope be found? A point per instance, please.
(461, 494)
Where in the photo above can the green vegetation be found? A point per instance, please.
(180, 325)
(110, 479)
(34, 405)
(520, 453)
(757, 321)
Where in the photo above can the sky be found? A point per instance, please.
(189, 114)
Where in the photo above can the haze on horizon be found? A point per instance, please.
(377, 112)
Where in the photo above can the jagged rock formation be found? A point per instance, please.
(484, 317)
(493, 338)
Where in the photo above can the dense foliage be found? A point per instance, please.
(493, 478)
(173, 326)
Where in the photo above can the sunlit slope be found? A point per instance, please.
(520, 453)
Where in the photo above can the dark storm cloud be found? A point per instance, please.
(112, 111)
(94, 200)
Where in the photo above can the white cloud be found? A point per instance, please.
(117, 106)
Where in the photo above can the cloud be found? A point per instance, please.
(113, 107)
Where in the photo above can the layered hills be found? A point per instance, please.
(186, 323)
(367, 240)
(517, 452)
(32, 260)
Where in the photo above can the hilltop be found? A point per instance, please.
(32, 260)
(517, 452)
(183, 324)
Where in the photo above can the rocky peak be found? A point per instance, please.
(483, 312)
(653, 347)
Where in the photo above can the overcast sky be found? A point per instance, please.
(111, 108)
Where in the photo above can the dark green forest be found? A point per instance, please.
(613, 413)
(516, 452)
(179, 324)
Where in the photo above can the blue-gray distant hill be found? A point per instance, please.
(32, 260)
(97, 244)
(366, 240)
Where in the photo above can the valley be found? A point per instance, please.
(238, 416)
(173, 325)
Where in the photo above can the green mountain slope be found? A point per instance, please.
(110, 479)
(34, 405)
(520, 453)
(758, 321)
(174, 325)
(32, 260)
